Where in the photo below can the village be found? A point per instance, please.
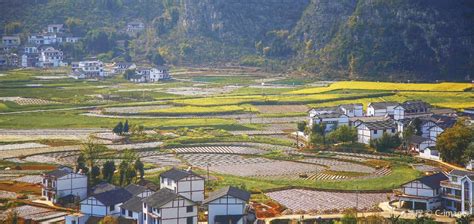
(103, 137)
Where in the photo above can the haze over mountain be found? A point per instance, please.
(365, 39)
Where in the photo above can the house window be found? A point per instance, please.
(112, 207)
(162, 180)
(189, 208)
(73, 222)
(123, 211)
(144, 205)
(375, 132)
(393, 130)
(144, 217)
(189, 220)
(454, 179)
(169, 182)
(130, 214)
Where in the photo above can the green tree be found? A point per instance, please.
(349, 217)
(386, 143)
(123, 167)
(125, 127)
(75, 26)
(91, 151)
(343, 133)
(118, 129)
(318, 134)
(407, 134)
(469, 153)
(13, 28)
(128, 74)
(454, 141)
(301, 126)
(140, 168)
(108, 170)
(95, 172)
(81, 164)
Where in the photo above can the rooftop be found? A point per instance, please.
(133, 204)
(231, 191)
(379, 125)
(434, 180)
(383, 105)
(177, 174)
(112, 197)
(161, 197)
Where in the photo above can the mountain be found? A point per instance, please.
(360, 39)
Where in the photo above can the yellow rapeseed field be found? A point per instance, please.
(389, 86)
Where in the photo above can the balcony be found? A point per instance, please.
(449, 184)
(451, 196)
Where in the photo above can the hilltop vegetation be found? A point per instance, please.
(358, 39)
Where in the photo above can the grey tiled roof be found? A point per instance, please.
(177, 174)
(433, 180)
(379, 125)
(135, 189)
(382, 105)
(113, 197)
(160, 198)
(134, 204)
(231, 191)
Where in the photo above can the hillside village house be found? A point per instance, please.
(134, 27)
(378, 109)
(11, 41)
(105, 203)
(132, 209)
(121, 67)
(430, 153)
(420, 143)
(63, 182)
(410, 109)
(167, 207)
(423, 193)
(143, 75)
(367, 131)
(331, 121)
(352, 110)
(88, 69)
(183, 182)
(45, 39)
(227, 205)
(55, 28)
(50, 57)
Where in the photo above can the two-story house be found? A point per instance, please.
(88, 69)
(330, 120)
(132, 208)
(457, 191)
(378, 109)
(423, 193)
(150, 75)
(410, 109)
(63, 182)
(11, 41)
(167, 207)
(105, 203)
(371, 130)
(55, 28)
(50, 57)
(352, 110)
(183, 182)
(227, 205)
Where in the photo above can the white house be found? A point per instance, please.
(183, 182)
(439, 128)
(50, 57)
(134, 27)
(88, 69)
(11, 41)
(367, 131)
(132, 208)
(71, 39)
(458, 191)
(227, 205)
(47, 39)
(121, 67)
(167, 207)
(411, 109)
(420, 143)
(63, 182)
(352, 110)
(150, 75)
(331, 121)
(55, 28)
(430, 153)
(378, 109)
(105, 203)
(423, 193)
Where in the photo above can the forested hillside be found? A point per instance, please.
(364, 39)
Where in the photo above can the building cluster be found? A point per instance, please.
(178, 199)
(389, 118)
(451, 191)
(40, 50)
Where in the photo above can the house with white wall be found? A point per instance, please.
(11, 41)
(143, 75)
(227, 205)
(420, 143)
(105, 203)
(45, 39)
(352, 110)
(63, 182)
(430, 153)
(55, 28)
(367, 131)
(88, 69)
(458, 191)
(50, 57)
(167, 207)
(132, 208)
(331, 121)
(378, 109)
(409, 109)
(423, 193)
(183, 182)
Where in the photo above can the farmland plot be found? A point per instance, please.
(134, 110)
(336, 165)
(219, 150)
(204, 160)
(162, 160)
(321, 201)
(267, 169)
(273, 109)
(31, 145)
